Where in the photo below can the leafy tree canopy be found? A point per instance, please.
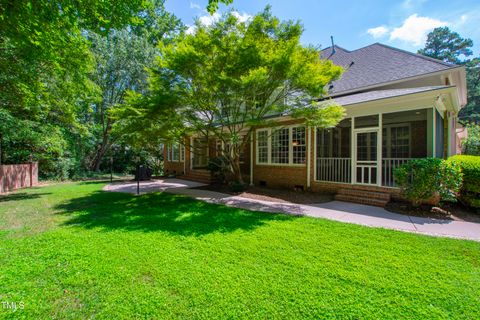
(229, 77)
(447, 45)
(53, 83)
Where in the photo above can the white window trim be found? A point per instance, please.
(181, 152)
(290, 146)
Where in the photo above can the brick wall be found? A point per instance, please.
(174, 167)
(279, 176)
(16, 176)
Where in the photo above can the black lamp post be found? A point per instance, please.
(137, 160)
(111, 169)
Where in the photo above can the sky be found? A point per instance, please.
(354, 24)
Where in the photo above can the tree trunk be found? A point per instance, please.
(236, 170)
(102, 150)
(95, 166)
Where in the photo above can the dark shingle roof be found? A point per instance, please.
(380, 94)
(377, 64)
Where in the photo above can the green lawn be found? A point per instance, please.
(73, 251)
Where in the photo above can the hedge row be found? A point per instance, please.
(431, 180)
(470, 191)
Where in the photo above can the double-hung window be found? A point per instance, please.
(299, 145)
(282, 146)
(262, 146)
(175, 152)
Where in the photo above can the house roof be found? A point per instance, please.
(377, 64)
(381, 94)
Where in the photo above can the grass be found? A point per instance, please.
(73, 251)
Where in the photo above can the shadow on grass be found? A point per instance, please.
(21, 196)
(159, 212)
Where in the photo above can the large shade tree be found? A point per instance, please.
(121, 61)
(55, 58)
(229, 77)
(448, 46)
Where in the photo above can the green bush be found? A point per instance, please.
(218, 166)
(471, 145)
(237, 187)
(470, 192)
(429, 180)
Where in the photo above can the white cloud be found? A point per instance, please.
(194, 5)
(190, 29)
(378, 32)
(208, 20)
(242, 17)
(415, 29)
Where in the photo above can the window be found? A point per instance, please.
(175, 152)
(262, 146)
(299, 144)
(182, 153)
(282, 146)
(396, 141)
(400, 139)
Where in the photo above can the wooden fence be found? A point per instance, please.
(16, 176)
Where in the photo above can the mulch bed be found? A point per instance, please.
(274, 195)
(448, 211)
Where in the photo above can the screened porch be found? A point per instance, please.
(366, 150)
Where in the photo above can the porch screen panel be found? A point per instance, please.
(333, 163)
(439, 135)
(404, 136)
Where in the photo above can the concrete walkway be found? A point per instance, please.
(335, 210)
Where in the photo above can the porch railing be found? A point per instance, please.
(334, 169)
(388, 166)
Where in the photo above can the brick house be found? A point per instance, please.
(399, 105)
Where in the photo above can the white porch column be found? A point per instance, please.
(352, 151)
(379, 149)
(309, 149)
(434, 133)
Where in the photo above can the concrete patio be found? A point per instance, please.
(335, 210)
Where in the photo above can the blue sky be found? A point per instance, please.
(353, 24)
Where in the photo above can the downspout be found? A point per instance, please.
(434, 130)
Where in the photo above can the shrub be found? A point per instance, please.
(429, 180)
(218, 166)
(470, 192)
(471, 145)
(237, 187)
